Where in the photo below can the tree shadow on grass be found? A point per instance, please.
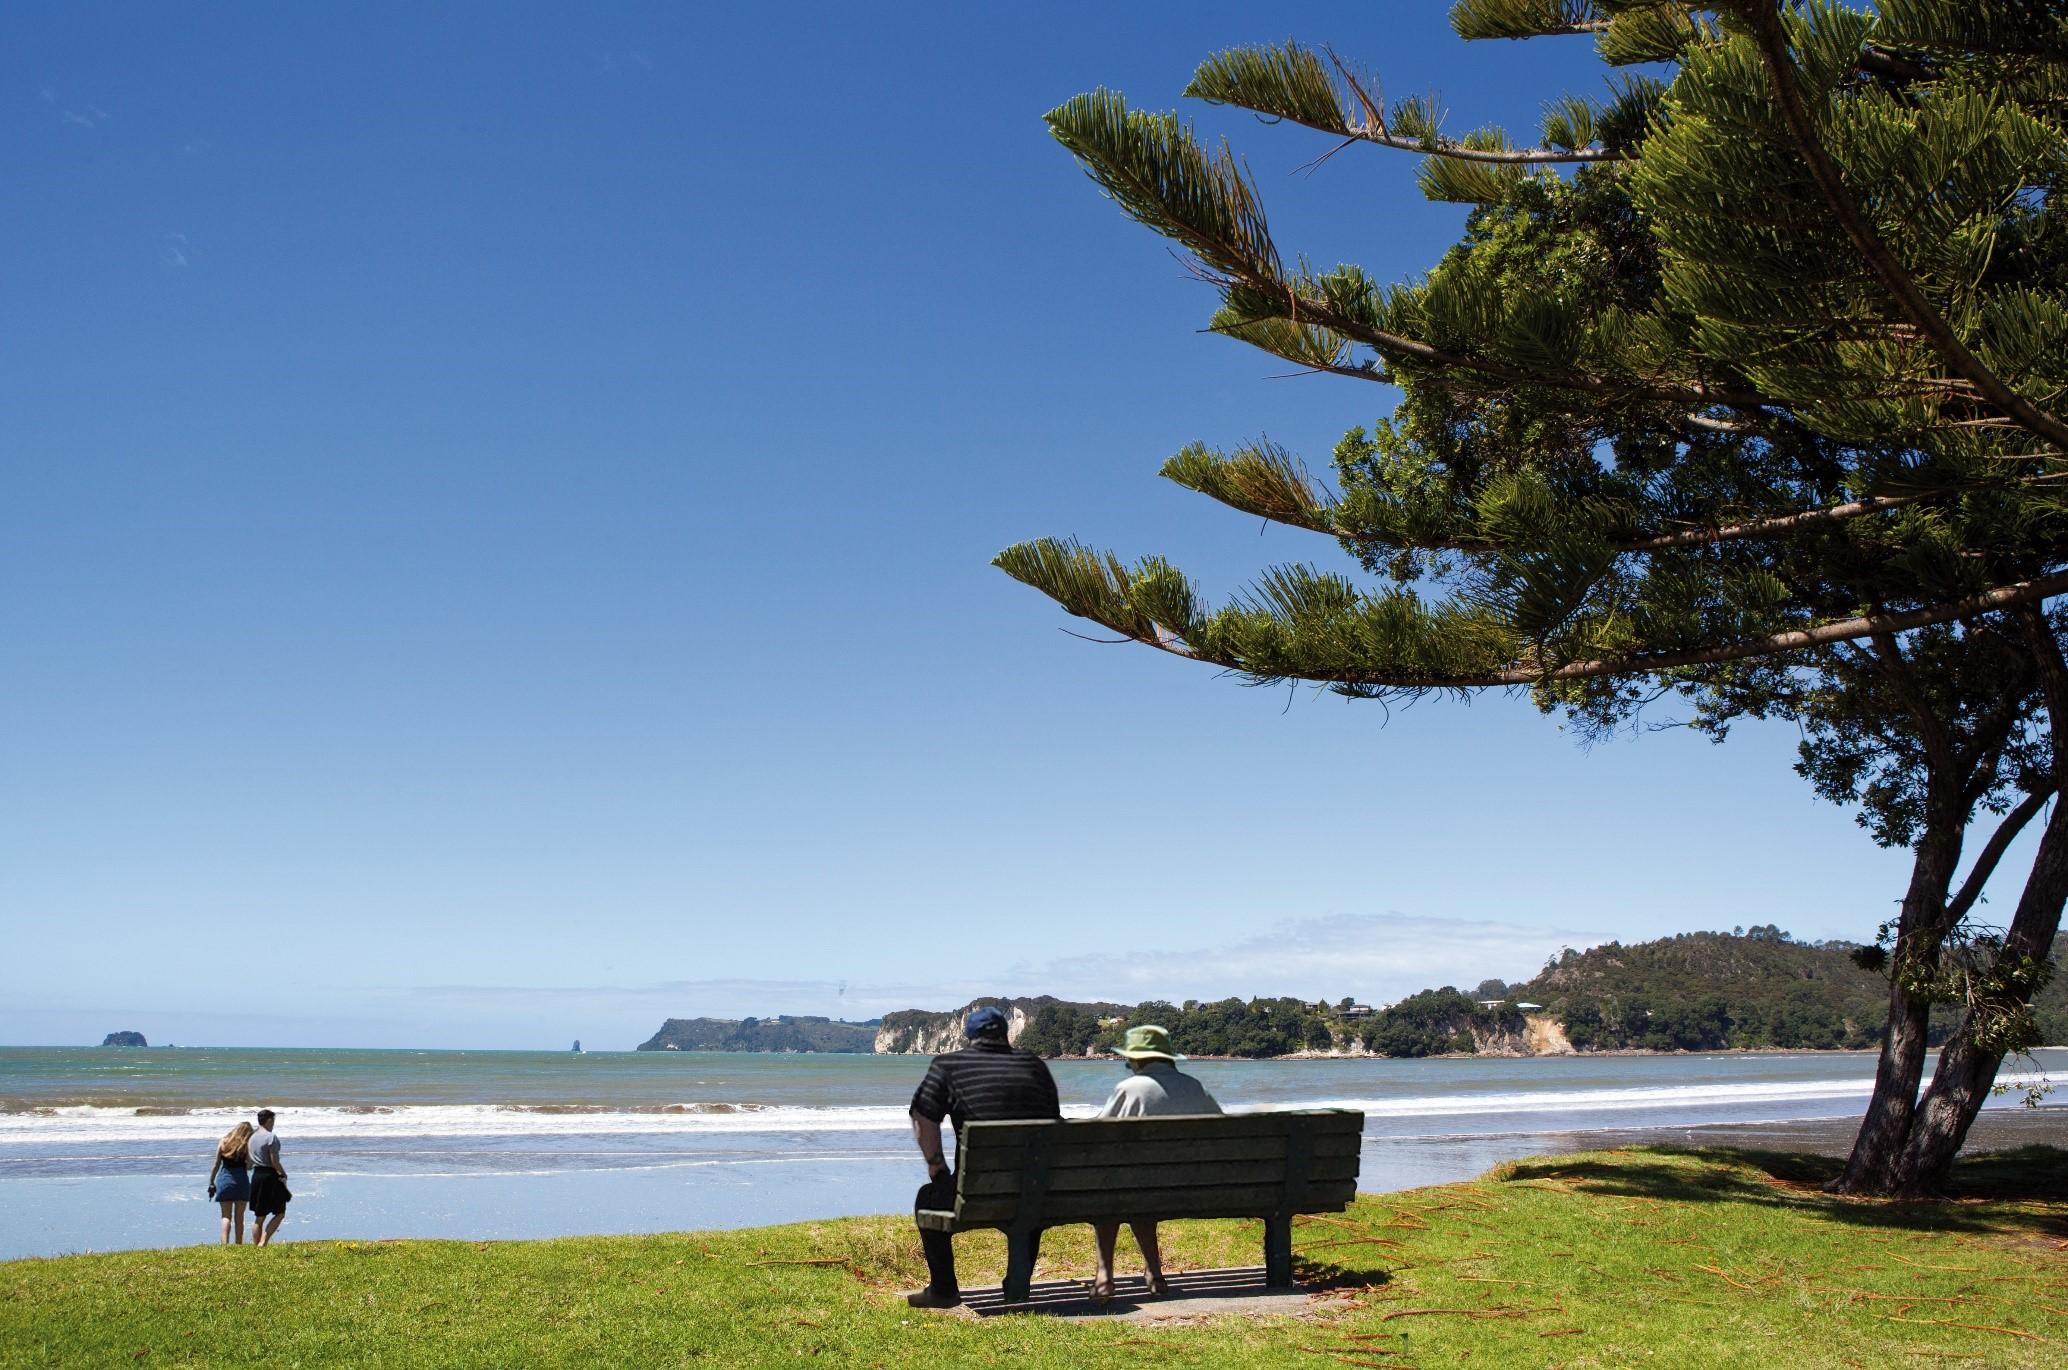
(2016, 1193)
(1318, 1275)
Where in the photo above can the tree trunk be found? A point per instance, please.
(1960, 1086)
(1871, 1169)
(1878, 1147)
(1967, 1070)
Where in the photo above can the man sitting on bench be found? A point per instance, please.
(988, 1082)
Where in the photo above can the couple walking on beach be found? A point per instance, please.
(991, 1081)
(248, 1174)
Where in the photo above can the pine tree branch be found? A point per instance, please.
(1848, 630)
(1449, 149)
(1395, 345)
(1289, 83)
(1656, 542)
(1992, 852)
(1940, 755)
(1767, 527)
(1162, 179)
(2053, 681)
(1992, 734)
(1769, 35)
(1646, 662)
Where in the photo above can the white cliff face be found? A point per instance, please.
(939, 1033)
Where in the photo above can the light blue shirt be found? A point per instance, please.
(1158, 1088)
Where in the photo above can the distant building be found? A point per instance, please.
(1356, 1010)
(1526, 1007)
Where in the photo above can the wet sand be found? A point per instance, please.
(1997, 1129)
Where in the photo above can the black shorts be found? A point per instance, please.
(269, 1192)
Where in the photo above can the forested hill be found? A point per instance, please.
(1699, 991)
(1706, 990)
(762, 1034)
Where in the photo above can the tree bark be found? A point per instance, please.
(1967, 1070)
(1871, 1169)
(1878, 1147)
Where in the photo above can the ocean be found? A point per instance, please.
(108, 1148)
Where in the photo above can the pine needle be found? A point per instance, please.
(1971, 1327)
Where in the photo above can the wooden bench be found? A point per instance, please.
(1022, 1177)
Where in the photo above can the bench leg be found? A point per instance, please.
(1278, 1252)
(1021, 1249)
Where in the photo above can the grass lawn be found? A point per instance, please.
(1599, 1259)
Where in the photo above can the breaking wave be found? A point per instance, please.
(1529, 1111)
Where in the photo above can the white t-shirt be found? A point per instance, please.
(265, 1148)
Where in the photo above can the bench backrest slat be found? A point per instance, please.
(1212, 1201)
(1236, 1165)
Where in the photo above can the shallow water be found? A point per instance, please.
(103, 1148)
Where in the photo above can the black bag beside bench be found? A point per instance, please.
(1021, 1177)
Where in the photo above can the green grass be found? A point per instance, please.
(1613, 1258)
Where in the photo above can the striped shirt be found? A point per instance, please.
(986, 1083)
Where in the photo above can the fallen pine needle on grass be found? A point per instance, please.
(814, 1260)
(1463, 1313)
(1970, 1326)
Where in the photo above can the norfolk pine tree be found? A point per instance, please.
(1744, 385)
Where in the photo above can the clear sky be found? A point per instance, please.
(495, 531)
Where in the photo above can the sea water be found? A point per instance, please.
(108, 1148)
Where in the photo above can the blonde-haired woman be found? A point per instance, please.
(229, 1179)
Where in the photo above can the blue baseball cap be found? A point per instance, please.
(985, 1022)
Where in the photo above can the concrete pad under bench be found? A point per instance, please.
(1194, 1296)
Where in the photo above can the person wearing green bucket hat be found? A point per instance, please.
(1154, 1087)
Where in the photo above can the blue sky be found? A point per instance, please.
(496, 522)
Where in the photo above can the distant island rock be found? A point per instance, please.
(783, 1033)
(124, 1039)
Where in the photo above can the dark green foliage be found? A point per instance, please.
(764, 1034)
(1436, 1021)
(1235, 1027)
(1705, 991)
(1061, 1029)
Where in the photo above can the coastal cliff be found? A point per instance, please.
(1539, 1035)
(916, 1032)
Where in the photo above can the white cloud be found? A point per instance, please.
(1375, 957)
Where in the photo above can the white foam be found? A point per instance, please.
(93, 1126)
(1624, 1100)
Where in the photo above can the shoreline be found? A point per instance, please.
(1998, 1129)
(1574, 1054)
